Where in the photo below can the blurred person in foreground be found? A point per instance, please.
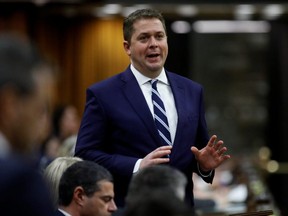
(157, 178)
(26, 84)
(158, 203)
(86, 189)
(53, 173)
(119, 129)
(149, 184)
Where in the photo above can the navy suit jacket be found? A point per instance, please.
(22, 189)
(118, 128)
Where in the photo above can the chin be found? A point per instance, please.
(156, 68)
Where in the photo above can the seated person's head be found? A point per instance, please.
(88, 188)
(159, 202)
(53, 173)
(157, 177)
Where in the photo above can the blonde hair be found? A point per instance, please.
(53, 173)
(67, 148)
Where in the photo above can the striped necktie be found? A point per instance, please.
(160, 115)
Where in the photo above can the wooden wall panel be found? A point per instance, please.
(101, 53)
(85, 50)
(15, 21)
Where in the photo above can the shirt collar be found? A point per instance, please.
(141, 79)
(64, 212)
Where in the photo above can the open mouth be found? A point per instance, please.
(153, 55)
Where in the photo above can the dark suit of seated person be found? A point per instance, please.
(86, 189)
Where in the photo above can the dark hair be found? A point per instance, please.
(57, 116)
(157, 203)
(137, 15)
(156, 178)
(86, 174)
(18, 61)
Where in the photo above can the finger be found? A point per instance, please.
(160, 153)
(222, 151)
(212, 141)
(218, 145)
(166, 147)
(224, 156)
(160, 161)
(194, 150)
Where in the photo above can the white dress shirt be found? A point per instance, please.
(64, 212)
(166, 94)
(167, 97)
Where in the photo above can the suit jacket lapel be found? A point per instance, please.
(179, 98)
(138, 102)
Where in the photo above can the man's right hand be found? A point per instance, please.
(156, 157)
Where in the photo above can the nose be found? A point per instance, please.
(112, 206)
(153, 42)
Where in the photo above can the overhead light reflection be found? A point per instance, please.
(186, 10)
(272, 166)
(273, 11)
(244, 12)
(181, 27)
(112, 9)
(107, 10)
(227, 26)
(127, 10)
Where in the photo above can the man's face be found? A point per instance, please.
(31, 115)
(148, 48)
(102, 202)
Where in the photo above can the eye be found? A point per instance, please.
(143, 38)
(160, 36)
(107, 199)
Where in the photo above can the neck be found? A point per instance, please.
(148, 73)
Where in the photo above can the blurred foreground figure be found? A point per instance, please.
(154, 179)
(157, 190)
(25, 89)
(158, 204)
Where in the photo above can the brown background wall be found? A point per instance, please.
(84, 50)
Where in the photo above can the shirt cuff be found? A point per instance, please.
(137, 165)
(201, 173)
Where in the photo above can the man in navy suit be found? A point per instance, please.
(25, 84)
(118, 129)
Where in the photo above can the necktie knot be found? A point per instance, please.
(154, 83)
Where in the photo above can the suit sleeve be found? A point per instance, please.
(202, 140)
(93, 139)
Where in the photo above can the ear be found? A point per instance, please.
(78, 195)
(127, 47)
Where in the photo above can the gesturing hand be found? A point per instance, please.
(212, 155)
(156, 157)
